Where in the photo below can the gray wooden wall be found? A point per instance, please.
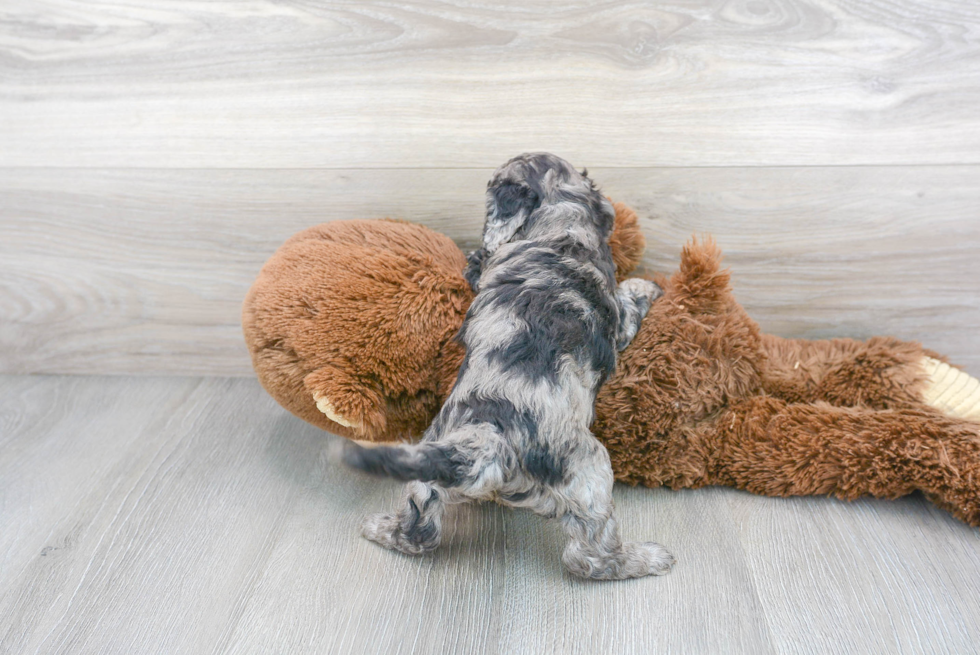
(154, 155)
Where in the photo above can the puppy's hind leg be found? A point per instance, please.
(595, 549)
(634, 295)
(417, 527)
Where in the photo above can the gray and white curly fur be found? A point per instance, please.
(541, 337)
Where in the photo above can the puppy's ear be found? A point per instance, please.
(603, 213)
(509, 205)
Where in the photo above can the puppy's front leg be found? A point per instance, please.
(634, 295)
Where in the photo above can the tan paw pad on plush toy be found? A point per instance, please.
(950, 390)
(323, 404)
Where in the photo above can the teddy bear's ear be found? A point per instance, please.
(627, 241)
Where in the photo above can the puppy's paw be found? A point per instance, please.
(658, 558)
(386, 530)
(381, 528)
(632, 560)
(474, 268)
(640, 289)
(635, 296)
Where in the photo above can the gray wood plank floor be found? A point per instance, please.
(193, 515)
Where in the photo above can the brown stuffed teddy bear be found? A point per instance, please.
(351, 323)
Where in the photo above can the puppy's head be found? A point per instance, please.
(536, 188)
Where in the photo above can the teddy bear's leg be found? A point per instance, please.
(880, 373)
(347, 401)
(594, 549)
(417, 527)
(634, 295)
(771, 447)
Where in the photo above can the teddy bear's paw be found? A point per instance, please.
(324, 405)
(950, 390)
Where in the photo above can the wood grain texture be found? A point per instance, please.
(841, 557)
(132, 271)
(133, 83)
(186, 515)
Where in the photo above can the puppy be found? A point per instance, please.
(541, 337)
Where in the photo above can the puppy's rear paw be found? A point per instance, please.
(381, 528)
(386, 530)
(658, 557)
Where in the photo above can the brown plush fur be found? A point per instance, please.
(352, 310)
(627, 241)
(364, 312)
(701, 397)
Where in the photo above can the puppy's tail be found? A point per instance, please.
(429, 462)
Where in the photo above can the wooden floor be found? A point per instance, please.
(193, 515)
(153, 155)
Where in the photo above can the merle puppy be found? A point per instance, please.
(541, 337)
